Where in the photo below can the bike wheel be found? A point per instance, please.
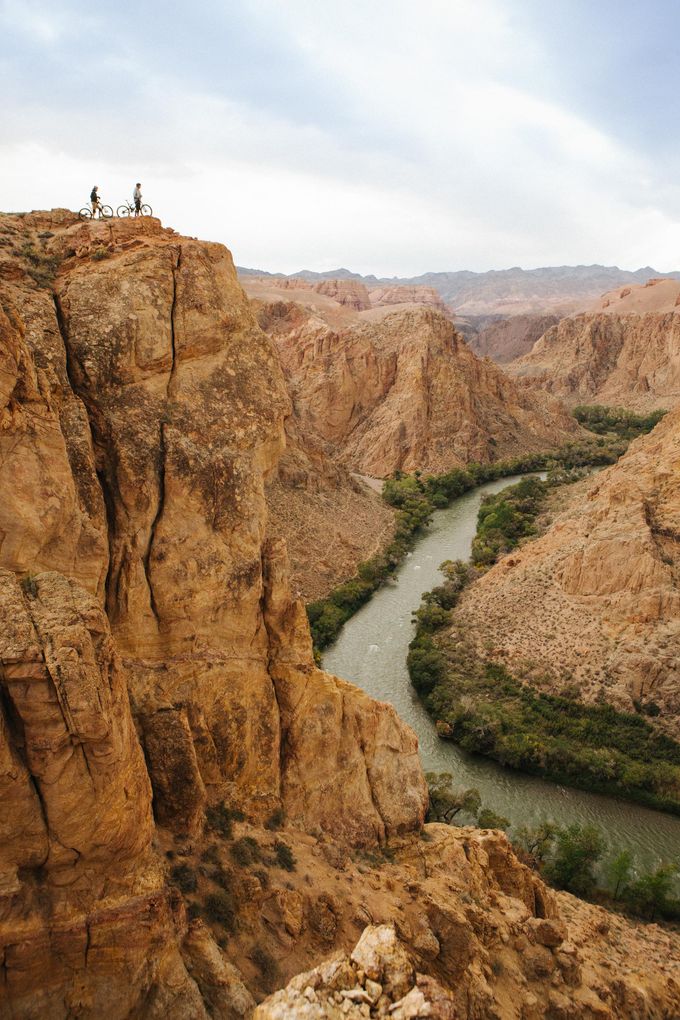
(85, 214)
(123, 210)
(146, 210)
(106, 212)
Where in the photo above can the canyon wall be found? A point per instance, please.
(510, 338)
(617, 359)
(405, 392)
(594, 604)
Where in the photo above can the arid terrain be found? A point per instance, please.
(558, 290)
(193, 813)
(593, 605)
(625, 352)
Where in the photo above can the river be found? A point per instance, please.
(371, 652)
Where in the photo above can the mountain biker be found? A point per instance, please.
(137, 197)
(94, 199)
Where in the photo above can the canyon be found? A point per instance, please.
(194, 812)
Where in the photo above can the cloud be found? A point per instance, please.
(373, 135)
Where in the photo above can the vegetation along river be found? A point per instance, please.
(371, 652)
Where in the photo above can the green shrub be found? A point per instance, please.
(619, 872)
(578, 848)
(29, 586)
(617, 420)
(284, 856)
(220, 818)
(275, 820)
(446, 802)
(488, 819)
(267, 966)
(650, 894)
(426, 665)
(220, 908)
(184, 877)
(223, 878)
(246, 851)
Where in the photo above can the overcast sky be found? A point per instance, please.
(386, 136)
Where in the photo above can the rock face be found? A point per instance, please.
(631, 360)
(350, 293)
(507, 339)
(474, 935)
(596, 600)
(406, 392)
(408, 295)
(142, 409)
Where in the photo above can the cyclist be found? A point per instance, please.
(137, 197)
(94, 199)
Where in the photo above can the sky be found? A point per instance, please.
(385, 136)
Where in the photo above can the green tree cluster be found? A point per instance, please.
(617, 421)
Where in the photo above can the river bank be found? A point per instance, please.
(371, 651)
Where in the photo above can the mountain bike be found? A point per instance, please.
(129, 210)
(102, 212)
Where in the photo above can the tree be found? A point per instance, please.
(536, 842)
(488, 819)
(650, 894)
(445, 802)
(619, 872)
(578, 849)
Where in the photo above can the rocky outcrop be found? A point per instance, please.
(406, 392)
(630, 360)
(408, 295)
(142, 410)
(468, 932)
(350, 293)
(594, 604)
(510, 338)
(656, 295)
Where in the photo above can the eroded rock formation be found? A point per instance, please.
(405, 392)
(510, 338)
(408, 295)
(619, 358)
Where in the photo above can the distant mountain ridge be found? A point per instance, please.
(515, 291)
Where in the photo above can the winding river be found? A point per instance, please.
(371, 652)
